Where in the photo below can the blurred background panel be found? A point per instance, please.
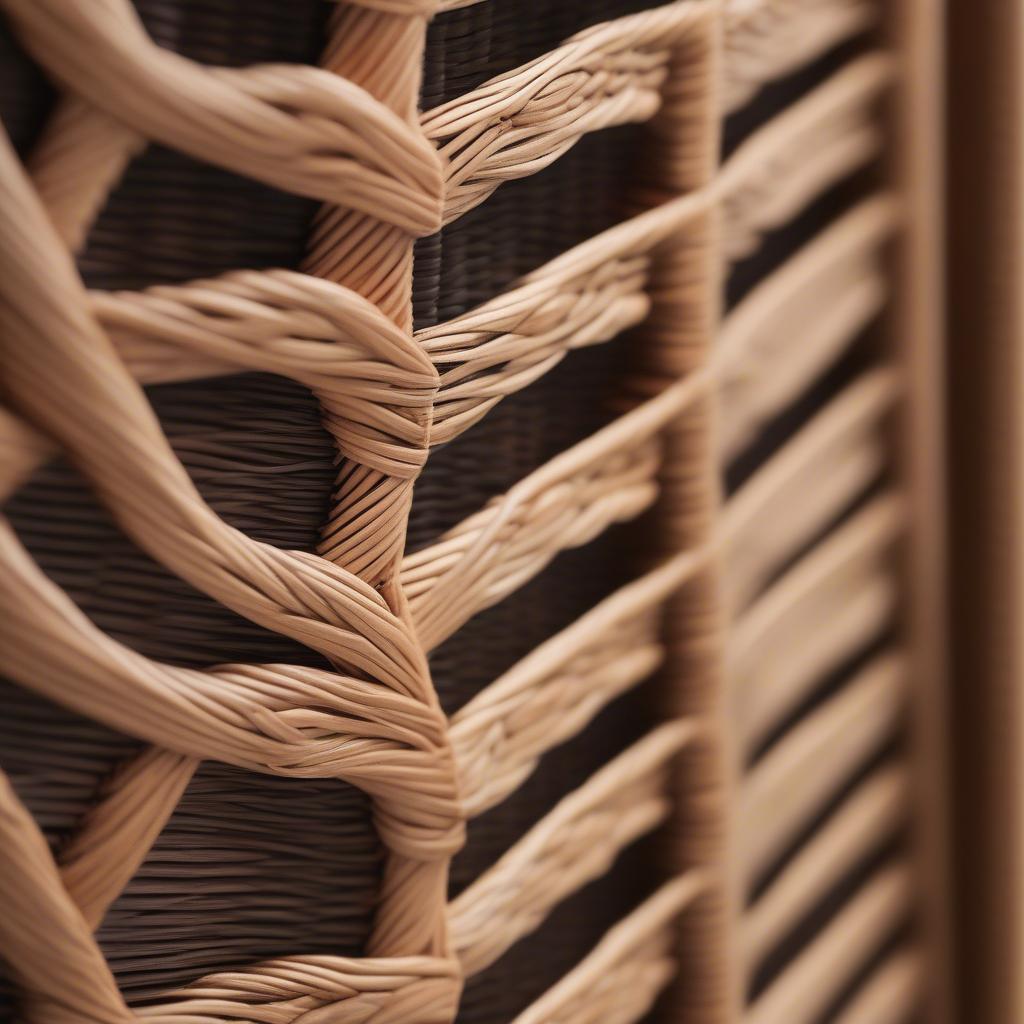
(985, 157)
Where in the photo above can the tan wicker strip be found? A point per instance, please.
(41, 925)
(891, 993)
(792, 782)
(863, 822)
(618, 981)
(572, 845)
(805, 990)
(76, 164)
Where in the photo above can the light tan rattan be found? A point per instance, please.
(349, 134)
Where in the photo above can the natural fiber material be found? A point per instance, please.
(359, 671)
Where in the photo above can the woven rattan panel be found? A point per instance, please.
(606, 697)
(255, 446)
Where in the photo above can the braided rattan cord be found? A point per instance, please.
(353, 138)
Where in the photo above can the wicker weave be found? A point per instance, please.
(734, 654)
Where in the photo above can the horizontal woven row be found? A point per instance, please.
(345, 145)
(277, 321)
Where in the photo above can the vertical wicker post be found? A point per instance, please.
(382, 51)
(678, 339)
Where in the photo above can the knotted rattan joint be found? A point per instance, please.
(75, 983)
(298, 128)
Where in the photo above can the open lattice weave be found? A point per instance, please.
(801, 595)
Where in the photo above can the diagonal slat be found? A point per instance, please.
(890, 995)
(817, 977)
(860, 825)
(812, 761)
(796, 323)
(802, 151)
(767, 39)
(829, 462)
(574, 843)
(620, 979)
(833, 601)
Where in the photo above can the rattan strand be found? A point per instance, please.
(817, 977)
(890, 994)
(353, 137)
(864, 822)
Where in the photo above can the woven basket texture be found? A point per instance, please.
(750, 839)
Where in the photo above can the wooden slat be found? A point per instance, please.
(890, 995)
(618, 982)
(574, 843)
(860, 825)
(828, 463)
(808, 985)
(835, 599)
(797, 321)
(812, 761)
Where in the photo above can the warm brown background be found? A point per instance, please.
(986, 413)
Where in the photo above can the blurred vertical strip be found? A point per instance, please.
(986, 392)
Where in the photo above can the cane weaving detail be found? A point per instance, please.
(732, 579)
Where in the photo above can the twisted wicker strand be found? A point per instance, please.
(365, 533)
(519, 122)
(574, 843)
(117, 832)
(618, 980)
(295, 127)
(370, 990)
